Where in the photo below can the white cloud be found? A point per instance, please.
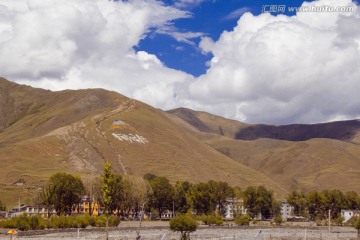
(237, 13)
(280, 69)
(187, 3)
(87, 43)
(184, 37)
(270, 69)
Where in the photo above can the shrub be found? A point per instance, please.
(23, 222)
(91, 220)
(100, 221)
(8, 223)
(185, 224)
(242, 219)
(114, 221)
(82, 221)
(356, 224)
(34, 222)
(213, 219)
(278, 220)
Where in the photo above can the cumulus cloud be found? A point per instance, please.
(268, 69)
(87, 43)
(281, 69)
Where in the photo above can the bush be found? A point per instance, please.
(8, 223)
(278, 220)
(23, 222)
(114, 221)
(82, 221)
(100, 221)
(185, 224)
(242, 219)
(91, 220)
(355, 222)
(213, 219)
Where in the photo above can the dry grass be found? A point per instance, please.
(70, 131)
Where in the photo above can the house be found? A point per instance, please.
(31, 210)
(234, 206)
(167, 214)
(84, 207)
(348, 214)
(286, 210)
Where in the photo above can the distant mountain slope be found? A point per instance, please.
(297, 156)
(205, 122)
(44, 132)
(342, 130)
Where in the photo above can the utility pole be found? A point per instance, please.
(329, 222)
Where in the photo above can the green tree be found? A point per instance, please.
(220, 192)
(265, 202)
(260, 200)
(116, 192)
(180, 191)
(250, 196)
(185, 224)
(298, 201)
(353, 200)
(162, 194)
(47, 198)
(106, 192)
(201, 199)
(316, 204)
(335, 201)
(63, 191)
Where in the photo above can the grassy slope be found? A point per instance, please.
(70, 131)
(317, 163)
(314, 164)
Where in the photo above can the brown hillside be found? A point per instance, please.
(317, 157)
(44, 132)
(206, 122)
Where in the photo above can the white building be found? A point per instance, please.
(30, 210)
(286, 210)
(348, 214)
(233, 207)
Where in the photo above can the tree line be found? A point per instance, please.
(128, 196)
(316, 204)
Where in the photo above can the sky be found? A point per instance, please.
(256, 61)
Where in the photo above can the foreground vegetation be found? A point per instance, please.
(25, 222)
(126, 196)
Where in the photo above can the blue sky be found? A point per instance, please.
(210, 17)
(225, 57)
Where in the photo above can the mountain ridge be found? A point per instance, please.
(297, 165)
(45, 132)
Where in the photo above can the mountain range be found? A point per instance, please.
(44, 132)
